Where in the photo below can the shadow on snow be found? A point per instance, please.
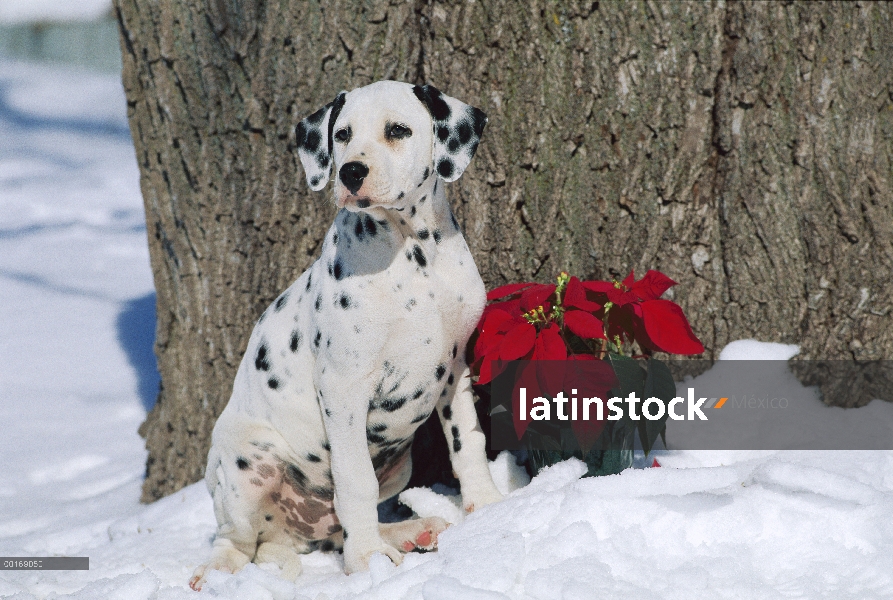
(136, 334)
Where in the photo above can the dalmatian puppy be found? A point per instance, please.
(346, 364)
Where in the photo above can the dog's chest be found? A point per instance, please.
(423, 285)
(399, 308)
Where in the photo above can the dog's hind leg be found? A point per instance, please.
(234, 505)
(285, 556)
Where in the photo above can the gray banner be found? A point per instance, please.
(728, 405)
(44, 563)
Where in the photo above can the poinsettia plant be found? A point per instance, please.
(621, 323)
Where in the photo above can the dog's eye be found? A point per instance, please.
(396, 131)
(342, 135)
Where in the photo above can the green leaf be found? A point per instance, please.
(658, 384)
(629, 373)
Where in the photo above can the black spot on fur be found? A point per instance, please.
(408, 255)
(243, 464)
(358, 229)
(363, 203)
(309, 281)
(301, 129)
(295, 341)
(317, 338)
(317, 117)
(273, 383)
(457, 445)
(441, 369)
(412, 210)
(378, 427)
(463, 131)
(314, 181)
(424, 176)
(281, 302)
(419, 256)
(369, 226)
(422, 199)
(383, 224)
(445, 167)
(327, 546)
(322, 159)
(447, 412)
(400, 196)
(478, 120)
(437, 236)
(344, 531)
(344, 301)
(269, 517)
(455, 222)
(375, 438)
(418, 394)
(423, 234)
(338, 270)
(455, 350)
(443, 133)
(392, 404)
(453, 145)
(419, 418)
(313, 458)
(433, 100)
(318, 302)
(335, 239)
(450, 379)
(326, 447)
(260, 360)
(296, 476)
(337, 105)
(311, 142)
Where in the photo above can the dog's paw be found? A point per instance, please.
(356, 560)
(226, 559)
(472, 502)
(414, 533)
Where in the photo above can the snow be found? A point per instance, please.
(77, 375)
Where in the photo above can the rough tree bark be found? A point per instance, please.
(742, 148)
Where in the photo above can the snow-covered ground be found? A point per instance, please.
(77, 374)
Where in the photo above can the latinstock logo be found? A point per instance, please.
(585, 409)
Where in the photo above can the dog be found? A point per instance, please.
(346, 364)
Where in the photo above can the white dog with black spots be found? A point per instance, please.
(347, 363)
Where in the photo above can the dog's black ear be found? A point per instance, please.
(457, 130)
(313, 137)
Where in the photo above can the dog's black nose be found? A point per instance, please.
(352, 175)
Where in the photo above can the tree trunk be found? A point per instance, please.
(744, 149)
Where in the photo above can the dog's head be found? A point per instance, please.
(385, 141)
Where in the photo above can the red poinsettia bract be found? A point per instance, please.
(533, 321)
(653, 323)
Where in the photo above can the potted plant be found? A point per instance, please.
(573, 334)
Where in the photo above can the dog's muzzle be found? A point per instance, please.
(352, 175)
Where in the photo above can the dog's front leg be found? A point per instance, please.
(345, 410)
(466, 441)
